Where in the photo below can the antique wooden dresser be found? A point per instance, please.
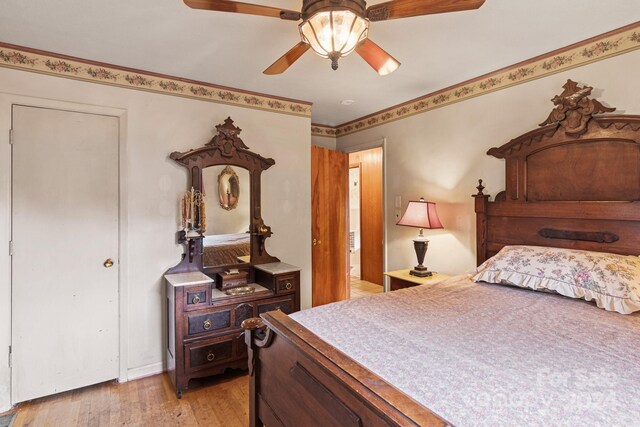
(203, 323)
(225, 275)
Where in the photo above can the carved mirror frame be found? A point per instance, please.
(226, 148)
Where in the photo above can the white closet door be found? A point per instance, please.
(65, 226)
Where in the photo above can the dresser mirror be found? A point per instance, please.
(227, 175)
(226, 194)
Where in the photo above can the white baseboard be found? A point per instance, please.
(145, 371)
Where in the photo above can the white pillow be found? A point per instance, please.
(613, 281)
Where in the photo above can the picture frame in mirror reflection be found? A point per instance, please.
(228, 188)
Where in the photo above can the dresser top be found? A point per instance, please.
(277, 268)
(186, 279)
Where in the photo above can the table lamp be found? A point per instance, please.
(420, 214)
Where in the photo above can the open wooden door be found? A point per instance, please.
(371, 234)
(329, 225)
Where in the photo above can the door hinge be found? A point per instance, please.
(10, 247)
(9, 356)
(11, 134)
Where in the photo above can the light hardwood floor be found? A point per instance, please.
(362, 288)
(217, 401)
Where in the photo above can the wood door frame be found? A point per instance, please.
(382, 142)
(7, 101)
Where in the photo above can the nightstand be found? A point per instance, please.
(401, 279)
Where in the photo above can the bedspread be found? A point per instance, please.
(491, 355)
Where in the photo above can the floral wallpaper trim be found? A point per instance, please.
(623, 40)
(322, 130)
(61, 66)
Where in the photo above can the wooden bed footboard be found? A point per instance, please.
(296, 379)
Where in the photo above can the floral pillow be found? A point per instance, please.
(613, 281)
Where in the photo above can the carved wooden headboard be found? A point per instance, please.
(574, 182)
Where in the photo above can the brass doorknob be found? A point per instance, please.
(108, 263)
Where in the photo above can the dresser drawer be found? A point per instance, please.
(284, 304)
(287, 284)
(208, 322)
(196, 297)
(203, 354)
(241, 312)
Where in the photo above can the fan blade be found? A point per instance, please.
(285, 61)
(375, 56)
(248, 8)
(405, 8)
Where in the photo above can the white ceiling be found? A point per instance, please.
(436, 51)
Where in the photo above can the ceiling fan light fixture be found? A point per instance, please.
(334, 34)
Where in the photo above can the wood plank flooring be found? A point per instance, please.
(217, 401)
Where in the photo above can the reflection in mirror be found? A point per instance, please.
(226, 240)
(228, 188)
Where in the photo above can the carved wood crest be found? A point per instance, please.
(574, 109)
(227, 139)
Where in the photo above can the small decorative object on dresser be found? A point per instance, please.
(420, 214)
(226, 274)
(401, 279)
(231, 279)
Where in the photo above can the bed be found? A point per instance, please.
(467, 353)
(225, 249)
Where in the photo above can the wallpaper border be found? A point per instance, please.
(616, 42)
(33, 60)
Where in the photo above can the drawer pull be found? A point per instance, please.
(211, 356)
(288, 286)
(195, 300)
(207, 325)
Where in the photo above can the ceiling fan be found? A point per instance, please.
(335, 28)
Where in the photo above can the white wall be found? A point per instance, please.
(441, 154)
(156, 125)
